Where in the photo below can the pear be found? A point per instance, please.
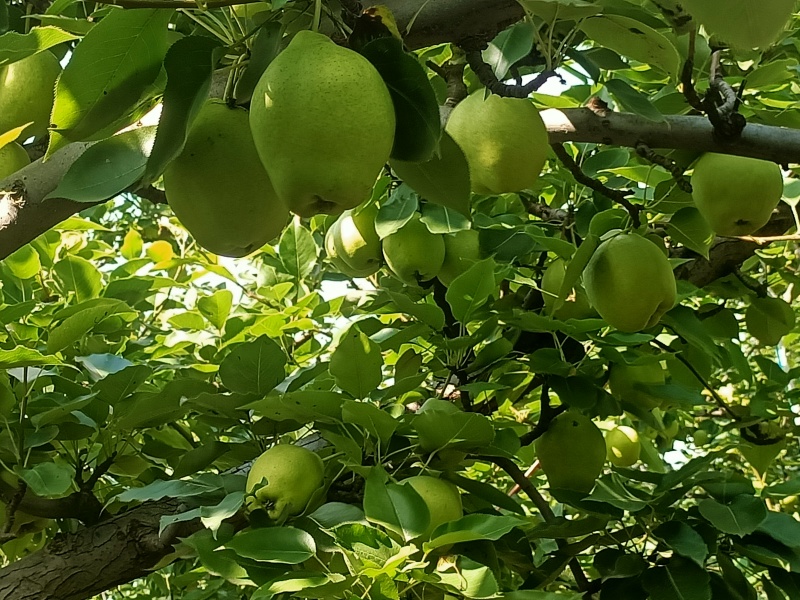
(218, 187)
(356, 241)
(27, 93)
(504, 139)
(743, 24)
(12, 158)
(572, 452)
(735, 194)
(461, 250)
(413, 253)
(630, 382)
(629, 282)
(323, 123)
(576, 304)
(441, 497)
(623, 446)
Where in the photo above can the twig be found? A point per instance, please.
(173, 3)
(487, 77)
(453, 74)
(618, 196)
(546, 414)
(721, 104)
(687, 85)
(544, 212)
(667, 163)
(717, 398)
(794, 237)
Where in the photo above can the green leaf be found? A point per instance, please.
(441, 220)
(430, 314)
(109, 70)
(397, 507)
(254, 367)
(208, 483)
(683, 540)
(397, 212)
(633, 100)
(80, 276)
(297, 250)
(688, 227)
(471, 528)
(470, 578)
(375, 421)
(418, 126)
(470, 290)
(634, 39)
(458, 430)
(16, 46)
(120, 385)
(216, 307)
(24, 263)
(356, 363)
(266, 46)
(564, 10)
(741, 516)
(304, 406)
(443, 179)
(189, 64)
(782, 528)
(49, 478)
(74, 327)
(508, 47)
(332, 585)
(679, 580)
(25, 357)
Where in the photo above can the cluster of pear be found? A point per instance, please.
(412, 253)
(27, 92)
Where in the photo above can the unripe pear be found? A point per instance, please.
(356, 241)
(337, 261)
(441, 497)
(413, 253)
(461, 250)
(504, 139)
(250, 10)
(623, 446)
(323, 122)
(218, 187)
(630, 383)
(743, 24)
(735, 194)
(572, 452)
(27, 93)
(283, 480)
(576, 304)
(630, 283)
(12, 158)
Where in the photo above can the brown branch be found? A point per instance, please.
(487, 77)
(687, 83)
(453, 74)
(667, 163)
(721, 104)
(546, 414)
(154, 195)
(618, 196)
(544, 212)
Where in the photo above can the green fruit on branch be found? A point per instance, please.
(461, 250)
(743, 24)
(250, 10)
(12, 158)
(356, 241)
(630, 383)
(27, 93)
(576, 304)
(441, 497)
(413, 253)
(218, 187)
(572, 452)
(769, 319)
(337, 261)
(283, 480)
(623, 446)
(323, 122)
(700, 437)
(630, 283)
(735, 194)
(504, 139)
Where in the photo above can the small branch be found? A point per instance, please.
(687, 84)
(618, 196)
(770, 238)
(717, 398)
(453, 74)
(546, 414)
(667, 163)
(173, 3)
(721, 104)
(152, 194)
(544, 212)
(487, 77)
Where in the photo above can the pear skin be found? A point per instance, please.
(413, 253)
(27, 93)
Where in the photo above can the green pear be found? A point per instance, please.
(630, 382)
(629, 282)
(12, 158)
(441, 497)
(250, 10)
(769, 319)
(743, 24)
(356, 241)
(413, 253)
(461, 250)
(504, 139)
(572, 452)
(623, 446)
(323, 122)
(337, 261)
(218, 187)
(27, 93)
(735, 194)
(576, 304)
